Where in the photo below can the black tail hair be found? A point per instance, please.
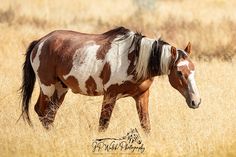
(28, 82)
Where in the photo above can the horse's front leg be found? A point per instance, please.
(107, 108)
(142, 108)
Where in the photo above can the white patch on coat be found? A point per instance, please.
(183, 63)
(165, 59)
(192, 84)
(87, 65)
(117, 57)
(48, 90)
(60, 89)
(36, 62)
(191, 80)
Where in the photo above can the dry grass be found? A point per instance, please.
(176, 129)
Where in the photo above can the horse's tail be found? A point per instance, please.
(28, 82)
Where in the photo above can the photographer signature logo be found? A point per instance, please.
(130, 143)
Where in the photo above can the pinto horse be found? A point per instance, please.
(116, 64)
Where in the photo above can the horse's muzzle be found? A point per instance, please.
(194, 104)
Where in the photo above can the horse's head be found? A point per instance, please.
(181, 76)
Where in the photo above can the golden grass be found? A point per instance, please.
(176, 129)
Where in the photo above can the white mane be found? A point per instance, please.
(165, 59)
(143, 59)
(144, 55)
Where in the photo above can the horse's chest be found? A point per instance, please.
(94, 76)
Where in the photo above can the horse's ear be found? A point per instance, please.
(188, 48)
(173, 53)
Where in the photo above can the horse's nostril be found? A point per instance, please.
(195, 104)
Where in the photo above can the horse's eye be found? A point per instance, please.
(179, 73)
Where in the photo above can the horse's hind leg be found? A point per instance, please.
(49, 102)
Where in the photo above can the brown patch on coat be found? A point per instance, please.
(106, 73)
(91, 86)
(184, 70)
(56, 57)
(126, 88)
(116, 31)
(107, 39)
(46, 70)
(129, 88)
(102, 51)
(72, 83)
(191, 65)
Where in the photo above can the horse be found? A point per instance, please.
(116, 64)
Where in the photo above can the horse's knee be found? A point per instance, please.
(46, 110)
(48, 116)
(47, 106)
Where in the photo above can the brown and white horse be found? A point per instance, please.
(115, 64)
